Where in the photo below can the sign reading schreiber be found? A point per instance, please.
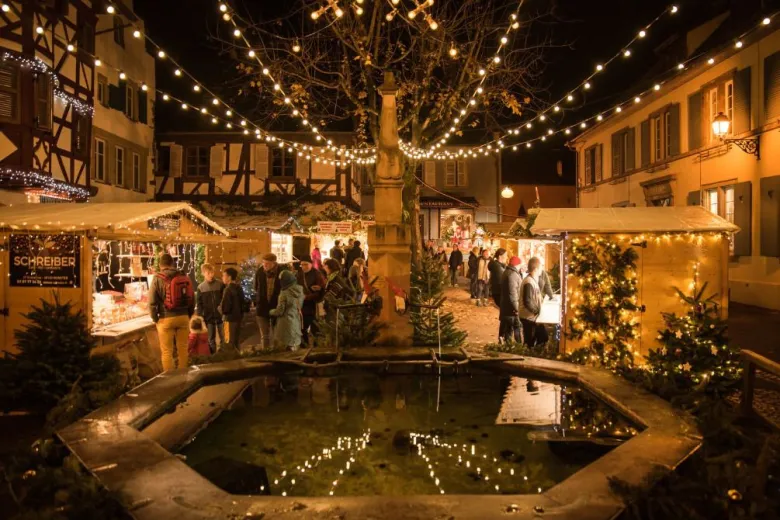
(45, 261)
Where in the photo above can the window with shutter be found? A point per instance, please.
(741, 121)
(598, 163)
(119, 166)
(99, 166)
(43, 98)
(712, 113)
(623, 151)
(197, 161)
(102, 90)
(617, 154)
(770, 216)
(589, 170)
(80, 134)
(694, 121)
(430, 173)
(282, 163)
(216, 161)
(673, 130)
(728, 103)
(119, 32)
(450, 177)
(644, 145)
(772, 86)
(86, 40)
(462, 179)
(9, 92)
(261, 161)
(130, 102)
(142, 107)
(658, 149)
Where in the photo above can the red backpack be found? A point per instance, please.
(178, 291)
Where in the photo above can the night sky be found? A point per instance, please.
(586, 32)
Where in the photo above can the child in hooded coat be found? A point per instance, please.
(289, 322)
(198, 340)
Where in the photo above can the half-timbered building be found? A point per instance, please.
(230, 167)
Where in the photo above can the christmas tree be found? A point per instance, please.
(54, 353)
(695, 349)
(246, 277)
(428, 279)
(357, 326)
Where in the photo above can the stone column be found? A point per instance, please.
(390, 239)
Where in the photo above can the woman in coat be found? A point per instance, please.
(287, 332)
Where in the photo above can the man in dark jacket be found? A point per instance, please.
(337, 253)
(353, 254)
(267, 289)
(456, 260)
(207, 301)
(510, 302)
(473, 266)
(173, 325)
(313, 283)
(496, 268)
(232, 306)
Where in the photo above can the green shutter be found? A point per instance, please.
(117, 96)
(770, 216)
(644, 148)
(772, 86)
(694, 198)
(694, 121)
(742, 101)
(142, 107)
(743, 206)
(631, 149)
(674, 129)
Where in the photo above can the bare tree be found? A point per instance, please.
(331, 68)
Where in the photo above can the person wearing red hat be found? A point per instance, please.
(510, 302)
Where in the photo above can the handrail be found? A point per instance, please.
(752, 360)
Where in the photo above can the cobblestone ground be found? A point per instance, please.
(481, 323)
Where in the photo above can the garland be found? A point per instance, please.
(604, 301)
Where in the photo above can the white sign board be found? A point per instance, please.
(335, 228)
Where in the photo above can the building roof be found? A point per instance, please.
(629, 220)
(101, 216)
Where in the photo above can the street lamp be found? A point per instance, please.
(507, 192)
(720, 127)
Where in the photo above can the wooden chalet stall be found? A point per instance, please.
(100, 257)
(676, 246)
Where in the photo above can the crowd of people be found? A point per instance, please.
(518, 294)
(199, 321)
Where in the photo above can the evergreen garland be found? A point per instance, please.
(200, 259)
(604, 301)
(428, 280)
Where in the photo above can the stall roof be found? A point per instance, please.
(100, 215)
(259, 222)
(629, 220)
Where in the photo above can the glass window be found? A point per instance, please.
(130, 103)
(120, 165)
(283, 163)
(197, 164)
(119, 31)
(657, 146)
(136, 172)
(713, 111)
(711, 199)
(100, 159)
(729, 104)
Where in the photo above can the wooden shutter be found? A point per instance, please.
(463, 178)
(742, 101)
(117, 96)
(694, 121)
(589, 153)
(176, 160)
(674, 129)
(9, 92)
(43, 98)
(644, 146)
(770, 216)
(694, 198)
(302, 167)
(261, 161)
(599, 163)
(142, 107)
(617, 154)
(429, 175)
(630, 149)
(743, 207)
(449, 173)
(217, 161)
(772, 86)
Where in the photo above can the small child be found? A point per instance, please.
(198, 343)
(232, 306)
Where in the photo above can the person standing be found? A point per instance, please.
(313, 284)
(267, 290)
(531, 305)
(337, 253)
(335, 286)
(497, 266)
(232, 306)
(316, 258)
(456, 260)
(207, 301)
(357, 278)
(287, 331)
(353, 254)
(473, 263)
(509, 309)
(483, 278)
(171, 304)
(545, 287)
(441, 258)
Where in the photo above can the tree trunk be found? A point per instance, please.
(414, 206)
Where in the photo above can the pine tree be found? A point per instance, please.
(695, 347)
(54, 352)
(357, 327)
(428, 280)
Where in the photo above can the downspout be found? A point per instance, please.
(573, 148)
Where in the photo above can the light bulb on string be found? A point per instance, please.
(136, 34)
(177, 72)
(110, 9)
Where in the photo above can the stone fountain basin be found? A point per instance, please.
(155, 484)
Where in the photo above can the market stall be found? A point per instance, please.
(101, 257)
(329, 231)
(633, 256)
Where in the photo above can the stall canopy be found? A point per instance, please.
(102, 217)
(685, 219)
(261, 223)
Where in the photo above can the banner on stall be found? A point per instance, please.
(45, 261)
(335, 228)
